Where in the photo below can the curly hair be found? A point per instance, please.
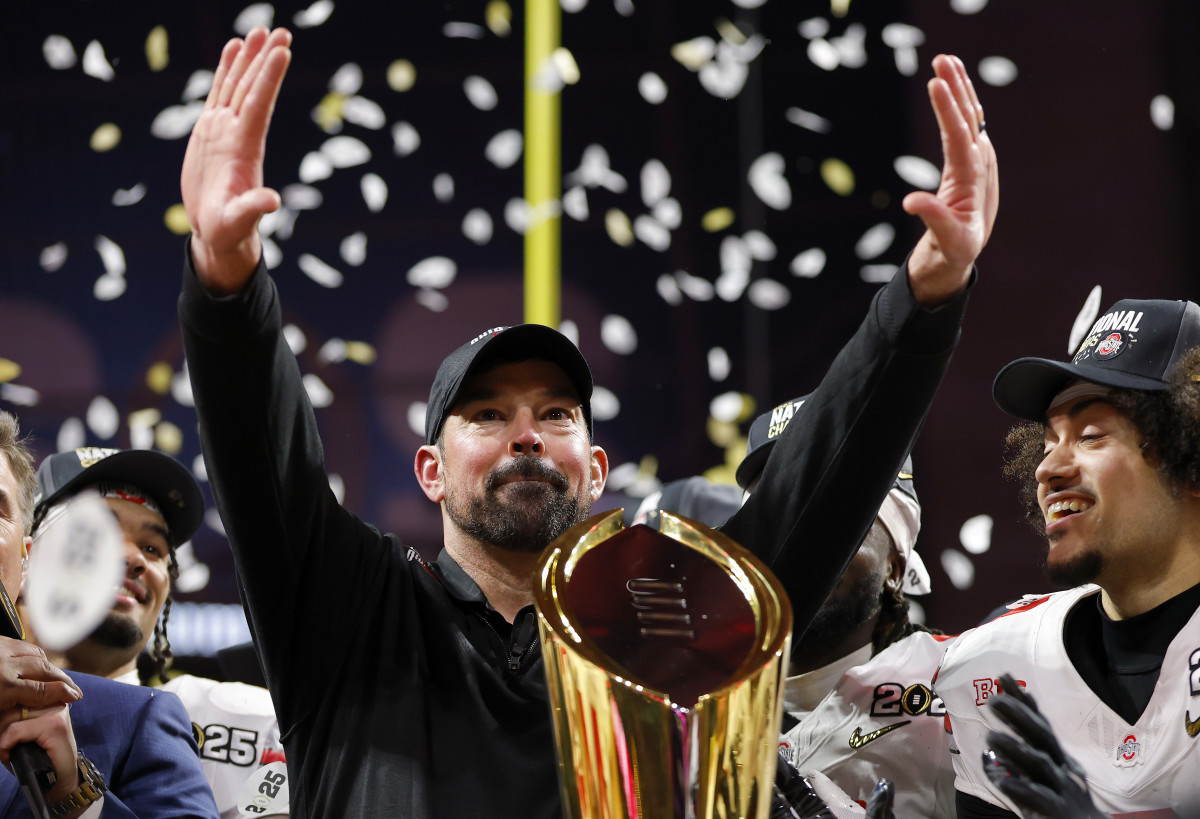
(20, 462)
(1168, 422)
(153, 662)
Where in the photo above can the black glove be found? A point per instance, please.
(794, 796)
(1031, 768)
(879, 806)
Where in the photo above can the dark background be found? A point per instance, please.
(1092, 193)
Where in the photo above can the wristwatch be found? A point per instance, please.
(91, 788)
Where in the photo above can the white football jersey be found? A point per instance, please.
(879, 719)
(238, 734)
(1150, 767)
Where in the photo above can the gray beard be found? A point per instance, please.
(532, 516)
(116, 631)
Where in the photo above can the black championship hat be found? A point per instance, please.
(164, 479)
(763, 432)
(1131, 346)
(502, 345)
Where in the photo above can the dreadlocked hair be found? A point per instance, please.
(1168, 422)
(893, 624)
(152, 663)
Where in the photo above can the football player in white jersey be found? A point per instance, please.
(1111, 474)
(159, 506)
(858, 706)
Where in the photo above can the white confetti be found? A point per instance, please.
(435, 272)
(719, 365)
(124, 197)
(405, 139)
(469, 31)
(95, 64)
(477, 226)
(570, 329)
(504, 149)
(480, 93)
(557, 70)
(668, 212)
(58, 52)
(725, 76)
(573, 6)
(320, 272)
(652, 233)
(875, 241)
(257, 14)
(332, 351)
(813, 27)
(575, 203)
(759, 244)
(918, 172)
(347, 80)
(53, 257)
(338, 487)
(1162, 112)
(749, 4)
(695, 287)
(618, 334)
(181, 388)
(176, 121)
(301, 197)
(605, 404)
(297, 342)
(768, 294)
(19, 395)
(111, 256)
(652, 88)
(968, 6)
(695, 54)
(374, 191)
(726, 407)
(314, 15)
(346, 151)
(877, 273)
(198, 85)
(902, 35)
(997, 71)
(416, 417)
(364, 113)
(959, 568)
(319, 395)
(594, 171)
(315, 167)
(808, 264)
(768, 182)
(102, 418)
(353, 249)
(443, 188)
(655, 182)
(199, 469)
(975, 534)
(735, 268)
(668, 289)
(71, 435)
(1084, 320)
(212, 519)
(851, 46)
(432, 300)
(624, 7)
(823, 54)
(272, 255)
(808, 120)
(517, 215)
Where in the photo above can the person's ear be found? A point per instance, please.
(427, 466)
(895, 569)
(599, 472)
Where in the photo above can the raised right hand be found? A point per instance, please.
(222, 178)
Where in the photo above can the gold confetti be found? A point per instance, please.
(8, 370)
(168, 438)
(839, 8)
(360, 352)
(565, 65)
(156, 49)
(717, 219)
(722, 433)
(401, 76)
(838, 176)
(176, 220)
(105, 138)
(618, 227)
(145, 418)
(648, 466)
(328, 113)
(499, 18)
(158, 377)
(730, 33)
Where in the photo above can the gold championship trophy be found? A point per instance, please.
(665, 656)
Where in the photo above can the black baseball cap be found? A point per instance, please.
(500, 345)
(168, 482)
(763, 432)
(1131, 346)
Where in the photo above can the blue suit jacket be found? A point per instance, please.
(141, 740)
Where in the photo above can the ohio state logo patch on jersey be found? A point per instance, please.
(1129, 752)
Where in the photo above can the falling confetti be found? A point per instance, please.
(71, 435)
(316, 14)
(1084, 320)
(319, 395)
(464, 31)
(109, 287)
(374, 191)
(655, 182)
(837, 176)
(58, 52)
(95, 64)
(504, 149)
(347, 80)
(125, 197)
(517, 215)
(668, 212)
(959, 568)
(975, 534)
(176, 220)
(727, 407)
(918, 172)
(618, 335)
(364, 113)
(719, 365)
(668, 289)
(877, 273)
(768, 182)
(435, 272)
(875, 241)
(9, 370)
(198, 85)
(997, 71)
(618, 227)
(53, 257)
(968, 6)
(314, 167)
(296, 340)
(157, 55)
(498, 16)
(808, 264)
(477, 226)
(595, 171)
(1162, 112)
(105, 138)
(432, 300)
(176, 121)
(903, 39)
(405, 139)
(605, 404)
(353, 249)
(480, 93)
(401, 76)
(258, 14)
(807, 119)
(158, 377)
(323, 274)
(695, 287)
(301, 197)
(652, 88)
(346, 151)
(19, 395)
(443, 188)
(759, 245)
(717, 220)
(652, 233)
(111, 256)
(102, 418)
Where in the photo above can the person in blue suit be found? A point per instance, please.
(117, 750)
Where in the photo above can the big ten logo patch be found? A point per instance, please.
(987, 688)
(896, 699)
(220, 743)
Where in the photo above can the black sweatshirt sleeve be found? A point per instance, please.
(830, 470)
(972, 807)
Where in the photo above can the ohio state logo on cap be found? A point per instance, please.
(1111, 346)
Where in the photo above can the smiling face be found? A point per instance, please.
(514, 467)
(1110, 517)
